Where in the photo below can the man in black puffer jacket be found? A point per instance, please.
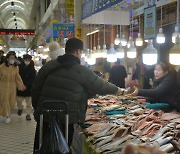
(65, 79)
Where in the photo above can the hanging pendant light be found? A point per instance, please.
(104, 51)
(91, 60)
(139, 40)
(149, 54)
(111, 55)
(129, 42)
(98, 52)
(123, 41)
(160, 36)
(174, 53)
(176, 33)
(132, 51)
(120, 51)
(117, 39)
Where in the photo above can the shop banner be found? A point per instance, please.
(59, 32)
(69, 5)
(94, 6)
(150, 22)
(79, 33)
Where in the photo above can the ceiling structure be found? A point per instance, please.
(15, 11)
(15, 14)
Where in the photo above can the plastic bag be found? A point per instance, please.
(54, 142)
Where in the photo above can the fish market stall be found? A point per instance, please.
(114, 123)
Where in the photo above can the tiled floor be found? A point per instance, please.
(17, 136)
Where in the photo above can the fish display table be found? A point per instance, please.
(116, 123)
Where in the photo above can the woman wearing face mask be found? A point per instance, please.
(27, 73)
(165, 89)
(10, 80)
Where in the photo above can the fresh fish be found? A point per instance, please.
(161, 141)
(160, 133)
(167, 147)
(118, 133)
(114, 144)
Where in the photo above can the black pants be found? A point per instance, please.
(45, 128)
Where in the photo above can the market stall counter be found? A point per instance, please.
(117, 123)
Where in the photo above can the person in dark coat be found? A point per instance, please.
(27, 73)
(118, 74)
(2, 58)
(65, 79)
(165, 88)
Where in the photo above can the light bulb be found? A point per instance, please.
(129, 42)
(139, 40)
(175, 34)
(120, 51)
(146, 41)
(98, 52)
(91, 60)
(131, 52)
(111, 55)
(174, 53)
(160, 36)
(123, 41)
(117, 40)
(104, 51)
(149, 54)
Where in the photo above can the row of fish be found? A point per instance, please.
(139, 126)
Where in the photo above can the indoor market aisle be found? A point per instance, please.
(17, 136)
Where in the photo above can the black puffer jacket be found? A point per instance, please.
(165, 90)
(27, 74)
(65, 79)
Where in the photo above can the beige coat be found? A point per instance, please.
(10, 80)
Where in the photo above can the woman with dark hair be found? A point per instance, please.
(10, 80)
(165, 88)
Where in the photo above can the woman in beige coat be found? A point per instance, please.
(10, 80)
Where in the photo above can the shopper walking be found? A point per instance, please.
(2, 58)
(65, 79)
(27, 73)
(118, 74)
(10, 80)
(165, 88)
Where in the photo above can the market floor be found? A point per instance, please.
(17, 136)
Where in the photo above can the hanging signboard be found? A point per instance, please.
(59, 32)
(69, 5)
(150, 22)
(79, 33)
(94, 6)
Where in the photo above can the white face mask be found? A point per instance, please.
(26, 62)
(12, 61)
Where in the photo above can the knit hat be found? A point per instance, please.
(55, 50)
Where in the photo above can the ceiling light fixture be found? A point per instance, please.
(149, 54)
(160, 39)
(176, 33)
(139, 40)
(104, 50)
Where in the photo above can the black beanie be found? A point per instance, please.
(73, 44)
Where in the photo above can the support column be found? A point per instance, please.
(78, 12)
(42, 8)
